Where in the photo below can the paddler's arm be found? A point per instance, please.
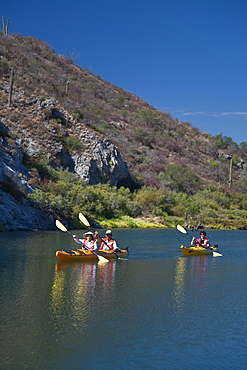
(96, 236)
(76, 240)
(193, 241)
(99, 240)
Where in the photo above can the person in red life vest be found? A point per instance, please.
(202, 241)
(88, 242)
(108, 243)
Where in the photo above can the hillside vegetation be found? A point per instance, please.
(181, 174)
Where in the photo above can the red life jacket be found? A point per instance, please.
(88, 245)
(108, 242)
(202, 242)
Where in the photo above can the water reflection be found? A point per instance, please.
(190, 275)
(106, 278)
(57, 292)
(179, 281)
(78, 282)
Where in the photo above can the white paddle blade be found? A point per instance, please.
(60, 226)
(181, 229)
(83, 219)
(102, 259)
(216, 254)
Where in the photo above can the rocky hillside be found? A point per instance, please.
(54, 112)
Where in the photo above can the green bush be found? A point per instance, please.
(77, 114)
(180, 179)
(71, 143)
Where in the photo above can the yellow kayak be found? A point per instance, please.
(113, 255)
(86, 255)
(76, 255)
(197, 251)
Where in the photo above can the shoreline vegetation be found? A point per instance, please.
(65, 195)
(170, 223)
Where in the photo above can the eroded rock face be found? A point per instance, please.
(17, 216)
(16, 212)
(105, 164)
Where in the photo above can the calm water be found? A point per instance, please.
(156, 310)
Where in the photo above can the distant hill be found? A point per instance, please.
(57, 110)
(147, 139)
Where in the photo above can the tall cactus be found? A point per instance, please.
(67, 88)
(5, 26)
(11, 83)
(230, 173)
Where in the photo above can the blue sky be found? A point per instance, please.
(187, 58)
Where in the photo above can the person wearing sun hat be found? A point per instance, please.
(88, 242)
(108, 243)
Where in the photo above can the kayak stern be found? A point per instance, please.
(121, 253)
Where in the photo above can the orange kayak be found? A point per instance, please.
(86, 255)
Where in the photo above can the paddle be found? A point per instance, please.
(63, 228)
(60, 226)
(83, 219)
(184, 231)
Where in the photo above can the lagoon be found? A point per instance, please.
(154, 310)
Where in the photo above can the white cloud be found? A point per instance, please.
(194, 113)
(212, 114)
(189, 112)
(229, 114)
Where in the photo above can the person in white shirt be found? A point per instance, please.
(88, 242)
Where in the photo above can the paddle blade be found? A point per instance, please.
(83, 219)
(216, 254)
(181, 229)
(102, 259)
(60, 226)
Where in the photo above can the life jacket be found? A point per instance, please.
(202, 242)
(109, 243)
(88, 244)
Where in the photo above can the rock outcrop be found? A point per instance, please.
(96, 160)
(16, 212)
(105, 164)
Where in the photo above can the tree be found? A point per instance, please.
(223, 142)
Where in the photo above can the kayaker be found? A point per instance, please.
(89, 242)
(108, 243)
(202, 241)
